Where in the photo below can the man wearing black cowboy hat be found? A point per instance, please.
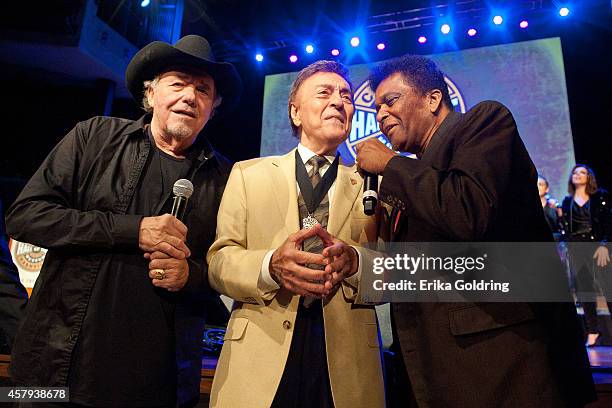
(118, 311)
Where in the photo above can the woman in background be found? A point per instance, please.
(586, 225)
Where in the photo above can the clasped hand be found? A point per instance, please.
(289, 264)
(163, 240)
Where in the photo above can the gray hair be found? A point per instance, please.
(151, 84)
(316, 67)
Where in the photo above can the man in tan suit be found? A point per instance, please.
(298, 335)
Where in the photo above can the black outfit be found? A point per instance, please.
(587, 227)
(13, 296)
(476, 182)
(599, 214)
(95, 322)
(581, 222)
(552, 219)
(305, 380)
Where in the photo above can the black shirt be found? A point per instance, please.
(551, 218)
(581, 218)
(131, 314)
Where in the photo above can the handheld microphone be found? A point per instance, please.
(182, 189)
(370, 193)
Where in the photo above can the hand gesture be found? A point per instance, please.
(164, 233)
(167, 272)
(373, 156)
(288, 270)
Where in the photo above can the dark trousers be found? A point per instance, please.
(584, 270)
(397, 383)
(305, 381)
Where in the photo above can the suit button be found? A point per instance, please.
(287, 324)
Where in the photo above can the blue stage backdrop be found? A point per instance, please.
(528, 77)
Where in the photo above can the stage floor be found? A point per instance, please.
(601, 357)
(601, 365)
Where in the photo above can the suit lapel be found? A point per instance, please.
(348, 185)
(285, 190)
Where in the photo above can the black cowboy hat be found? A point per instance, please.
(191, 51)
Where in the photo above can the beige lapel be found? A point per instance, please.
(285, 190)
(348, 185)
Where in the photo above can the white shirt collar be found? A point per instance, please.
(306, 154)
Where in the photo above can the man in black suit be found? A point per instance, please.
(473, 181)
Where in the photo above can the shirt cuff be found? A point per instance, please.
(265, 283)
(126, 229)
(354, 279)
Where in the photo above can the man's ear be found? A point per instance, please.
(295, 116)
(434, 100)
(150, 96)
(216, 104)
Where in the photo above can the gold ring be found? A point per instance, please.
(158, 274)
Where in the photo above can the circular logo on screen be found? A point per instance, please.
(28, 257)
(365, 125)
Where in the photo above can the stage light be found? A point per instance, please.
(258, 57)
(524, 24)
(293, 58)
(145, 3)
(471, 32)
(497, 20)
(422, 39)
(355, 41)
(335, 52)
(309, 48)
(381, 46)
(445, 29)
(564, 11)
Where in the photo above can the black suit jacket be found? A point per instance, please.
(601, 217)
(476, 182)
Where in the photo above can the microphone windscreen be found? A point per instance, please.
(183, 188)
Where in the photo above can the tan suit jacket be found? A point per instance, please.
(258, 211)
